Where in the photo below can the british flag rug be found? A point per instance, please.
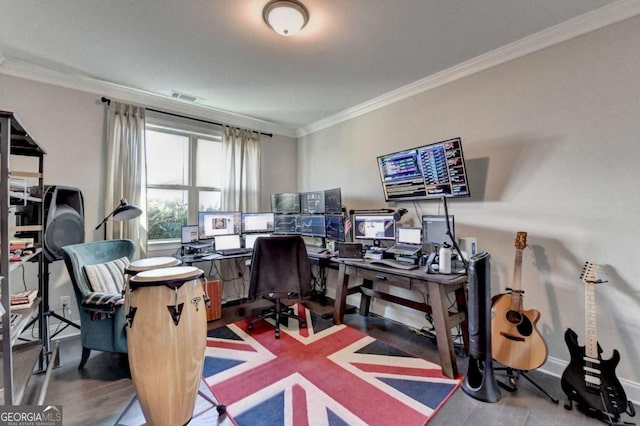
(319, 375)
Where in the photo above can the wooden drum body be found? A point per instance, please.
(166, 341)
(142, 265)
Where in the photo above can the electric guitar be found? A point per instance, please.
(588, 379)
(515, 341)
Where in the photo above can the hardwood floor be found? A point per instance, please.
(100, 393)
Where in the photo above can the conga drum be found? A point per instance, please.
(166, 341)
(142, 265)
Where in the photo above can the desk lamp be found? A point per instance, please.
(124, 211)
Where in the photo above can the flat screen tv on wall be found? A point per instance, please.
(427, 172)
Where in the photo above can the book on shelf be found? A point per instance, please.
(27, 296)
(18, 306)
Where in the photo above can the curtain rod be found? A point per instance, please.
(108, 101)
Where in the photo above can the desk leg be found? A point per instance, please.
(340, 304)
(440, 312)
(365, 301)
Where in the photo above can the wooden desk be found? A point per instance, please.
(435, 285)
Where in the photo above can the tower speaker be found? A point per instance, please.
(63, 218)
(480, 382)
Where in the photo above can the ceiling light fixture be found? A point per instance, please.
(286, 17)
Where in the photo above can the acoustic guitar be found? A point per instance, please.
(515, 340)
(588, 379)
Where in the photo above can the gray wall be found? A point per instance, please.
(551, 145)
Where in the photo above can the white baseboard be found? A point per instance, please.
(555, 367)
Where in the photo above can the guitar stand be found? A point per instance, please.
(612, 419)
(513, 375)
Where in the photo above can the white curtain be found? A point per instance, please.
(241, 180)
(126, 172)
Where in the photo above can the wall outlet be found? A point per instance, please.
(65, 304)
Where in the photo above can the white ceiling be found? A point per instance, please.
(220, 51)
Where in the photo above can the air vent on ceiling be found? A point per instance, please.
(183, 96)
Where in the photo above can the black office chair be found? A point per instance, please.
(280, 269)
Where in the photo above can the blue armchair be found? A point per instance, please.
(102, 316)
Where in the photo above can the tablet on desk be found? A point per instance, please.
(350, 251)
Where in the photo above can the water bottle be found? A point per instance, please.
(444, 259)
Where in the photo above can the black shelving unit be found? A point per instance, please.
(19, 358)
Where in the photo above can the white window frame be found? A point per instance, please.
(193, 132)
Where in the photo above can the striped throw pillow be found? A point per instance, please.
(107, 277)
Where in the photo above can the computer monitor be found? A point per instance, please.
(258, 222)
(409, 236)
(426, 172)
(374, 227)
(312, 202)
(333, 201)
(250, 239)
(211, 224)
(312, 225)
(286, 202)
(287, 224)
(434, 229)
(335, 228)
(189, 234)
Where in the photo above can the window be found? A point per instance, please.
(184, 176)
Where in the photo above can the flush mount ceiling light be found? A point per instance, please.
(286, 17)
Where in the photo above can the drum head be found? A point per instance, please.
(151, 263)
(167, 276)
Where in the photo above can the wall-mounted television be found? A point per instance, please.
(431, 171)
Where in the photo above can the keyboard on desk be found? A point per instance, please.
(234, 252)
(315, 250)
(393, 264)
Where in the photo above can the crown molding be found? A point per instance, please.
(25, 70)
(557, 34)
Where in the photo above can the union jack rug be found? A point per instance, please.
(320, 375)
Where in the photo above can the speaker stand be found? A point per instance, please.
(43, 322)
(513, 375)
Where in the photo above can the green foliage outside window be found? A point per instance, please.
(166, 218)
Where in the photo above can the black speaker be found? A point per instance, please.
(480, 382)
(63, 218)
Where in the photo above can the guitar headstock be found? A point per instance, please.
(521, 240)
(593, 273)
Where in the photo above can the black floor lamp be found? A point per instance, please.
(124, 211)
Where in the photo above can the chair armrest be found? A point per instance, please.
(101, 302)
